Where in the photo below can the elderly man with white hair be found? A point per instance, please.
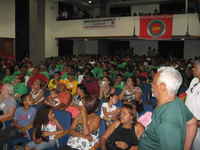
(173, 126)
(7, 103)
(193, 100)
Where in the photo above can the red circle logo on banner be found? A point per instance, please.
(156, 28)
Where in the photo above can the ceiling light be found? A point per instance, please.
(90, 2)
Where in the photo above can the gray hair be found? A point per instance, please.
(171, 77)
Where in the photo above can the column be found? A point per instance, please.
(37, 30)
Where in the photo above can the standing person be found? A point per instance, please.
(173, 126)
(192, 100)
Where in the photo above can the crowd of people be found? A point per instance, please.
(100, 103)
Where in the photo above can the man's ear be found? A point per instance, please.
(162, 87)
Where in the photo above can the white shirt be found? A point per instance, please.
(108, 109)
(193, 98)
(50, 128)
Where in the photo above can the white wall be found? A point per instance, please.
(144, 8)
(194, 23)
(191, 48)
(141, 46)
(74, 28)
(7, 18)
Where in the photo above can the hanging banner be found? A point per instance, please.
(99, 23)
(156, 27)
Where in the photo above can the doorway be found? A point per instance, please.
(171, 49)
(65, 47)
(119, 48)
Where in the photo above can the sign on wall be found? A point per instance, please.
(156, 27)
(99, 23)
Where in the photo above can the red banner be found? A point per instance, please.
(156, 27)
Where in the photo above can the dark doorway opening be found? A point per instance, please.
(21, 29)
(65, 47)
(176, 7)
(120, 11)
(171, 49)
(119, 48)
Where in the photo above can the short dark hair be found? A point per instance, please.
(91, 104)
(23, 98)
(83, 88)
(131, 110)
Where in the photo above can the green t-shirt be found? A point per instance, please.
(20, 88)
(59, 67)
(113, 74)
(120, 85)
(168, 127)
(8, 79)
(128, 74)
(97, 72)
(46, 74)
(16, 73)
(122, 65)
(64, 76)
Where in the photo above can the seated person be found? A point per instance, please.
(37, 93)
(109, 110)
(123, 134)
(80, 94)
(63, 94)
(77, 101)
(7, 103)
(7, 110)
(45, 128)
(53, 99)
(71, 83)
(53, 83)
(105, 88)
(84, 129)
(22, 122)
(127, 94)
(138, 100)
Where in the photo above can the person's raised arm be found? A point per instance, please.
(106, 135)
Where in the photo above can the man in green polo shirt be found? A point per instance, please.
(173, 126)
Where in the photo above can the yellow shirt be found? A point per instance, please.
(52, 84)
(71, 85)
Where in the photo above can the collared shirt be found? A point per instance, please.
(193, 97)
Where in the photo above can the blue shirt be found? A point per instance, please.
(24, 117)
